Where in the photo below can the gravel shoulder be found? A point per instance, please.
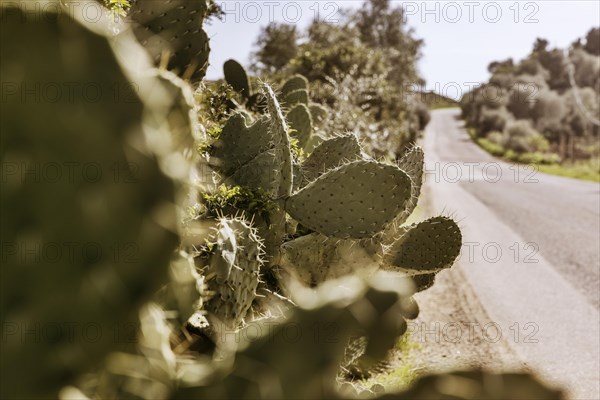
(453, 330)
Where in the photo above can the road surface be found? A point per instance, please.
(531, 253)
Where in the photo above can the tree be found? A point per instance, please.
(383, 27)
(592, 42)
(277, 44)
(587, 68)
(554, 62)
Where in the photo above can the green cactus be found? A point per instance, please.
(236, 76)
(313, 259)
(426, 247)
(423, 281)
(235, 263)
(181, 115)
(330, 205)
(102, 230)
(296, 82)
(279, 132)
(326, 323)
(330, 154)
(296, 97)
(412, 163)
(300, 122)
(239, 144)
(257, 156)
(346, 198)
(172, 33)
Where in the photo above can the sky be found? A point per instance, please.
(461, 37)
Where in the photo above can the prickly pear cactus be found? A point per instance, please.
(235, 262)
(181, 117)
(329, 154)
(257, 156)
(412, 163)
(281, 141)
(239, 144)
(172, 33)
(291, 99)
(355, 200)
(326, 323)
(313, 259)
(236, 76)
(426, 247)
(89, 233)
(296, 82)
(300, 122)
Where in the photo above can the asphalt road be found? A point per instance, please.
(531, 253)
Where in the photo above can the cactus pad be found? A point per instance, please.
(236, 76)
(236, 265)
(174, 29)
(412, 164)
(181, 118)
(295, 97)
(329, 154)
(300, 121)
(239, 143)
(101, 226)
(426, 247)
(260, 173)
(278, 130)
(314, 258)
(355, 200)
(423, 281)
(297, 82)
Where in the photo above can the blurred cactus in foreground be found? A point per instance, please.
(83, 248)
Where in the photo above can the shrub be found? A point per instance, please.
(539, 158)
(491, 147)
(496, 137)
(523, 138)
(511, 155)
(492, 120)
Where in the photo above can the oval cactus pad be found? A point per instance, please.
(355, 200)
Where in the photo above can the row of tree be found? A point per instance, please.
(357, 68)
(548, 101)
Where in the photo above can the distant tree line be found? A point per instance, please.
(546, 103)
(358, 68)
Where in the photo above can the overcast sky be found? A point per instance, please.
(461, 37)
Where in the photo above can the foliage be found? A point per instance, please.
(557, 94)
(491, 147)
(521, 137)
(584, 169)
(237, 198)
(359, 69)
(277, 45)
(119, 7)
